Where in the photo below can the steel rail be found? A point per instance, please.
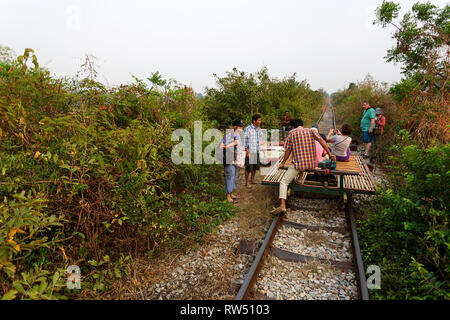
(364, 292)
(255, 268)
(357, 253)
(252, 274)
(356, 248)
(321, 115)
(334, 118)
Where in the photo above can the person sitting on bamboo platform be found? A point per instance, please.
(316, 125)
(320, 151)
(341, 140)
(301, 144)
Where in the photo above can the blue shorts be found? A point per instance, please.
(367, 137)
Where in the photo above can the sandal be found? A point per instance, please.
(277, 211)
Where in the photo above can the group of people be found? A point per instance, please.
(232, 147)
(307, 146)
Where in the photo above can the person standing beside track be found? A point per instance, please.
(252, 141)
(380, 122)
(367, 126)
(301, 143)
(231, 148)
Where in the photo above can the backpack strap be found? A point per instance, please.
(340, 142)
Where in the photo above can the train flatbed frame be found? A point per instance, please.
(348, 182)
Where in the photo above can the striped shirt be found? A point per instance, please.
(252, 138)
(301, 142)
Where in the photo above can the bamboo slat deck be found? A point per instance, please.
(361, 183)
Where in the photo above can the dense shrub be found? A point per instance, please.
(240, 95)
(86, 177)
(408, 237)
(422, 47)
(407, 234)
(348, 104)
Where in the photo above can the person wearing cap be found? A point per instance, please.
(380, 122)
(367, 126)
(231, 146)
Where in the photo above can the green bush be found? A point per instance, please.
(408, 237)
(86, 177)
(240, 95)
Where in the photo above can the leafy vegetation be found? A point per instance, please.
(348, 104)
(87, 178)
(407, 234)
(240, 95)
(422, 40)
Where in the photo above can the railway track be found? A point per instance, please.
(310, 253)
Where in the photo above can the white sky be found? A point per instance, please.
(328, 42)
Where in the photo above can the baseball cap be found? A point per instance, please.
(238, 123)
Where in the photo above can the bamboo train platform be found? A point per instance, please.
(350, 177)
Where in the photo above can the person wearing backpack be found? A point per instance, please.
(367, 127)
(232, 149)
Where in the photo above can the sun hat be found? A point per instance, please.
(378, 111)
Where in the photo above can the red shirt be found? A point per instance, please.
(286, 121)
(380, 122)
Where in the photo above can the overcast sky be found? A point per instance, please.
(328, 42)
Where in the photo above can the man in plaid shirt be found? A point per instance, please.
(252, 141)
(301, 143)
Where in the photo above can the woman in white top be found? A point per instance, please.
(341, 142)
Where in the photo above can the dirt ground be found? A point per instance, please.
(217, 268)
